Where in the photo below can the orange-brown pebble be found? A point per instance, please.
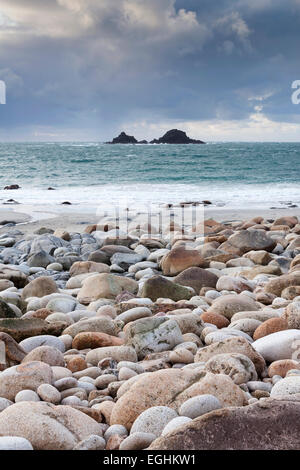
(265, 298)
(98, 394)
(94, 340)
(257, 220)
(217, 238)
(270, 326)
(291, 221)
(41, 313)
(280, 228)
(114, 442)
(75, 364)
(282, 367)
(291, 292)
(295, 261)
(91, 412)
(90, 228)
(204, 290)
(216, 319)
(105, 408)
(260, 394)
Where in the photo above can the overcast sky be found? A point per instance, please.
(87, 69)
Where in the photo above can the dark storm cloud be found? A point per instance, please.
(94, 65)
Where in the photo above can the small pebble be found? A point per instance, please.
(175, 423)
(199, 405)
(14, 443)
(115, 429)
(49, 393)
(137, 441)
(26, 395)
(72, 400)
(92, 442)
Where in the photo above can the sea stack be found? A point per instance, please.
(123, 138)
(176, 136)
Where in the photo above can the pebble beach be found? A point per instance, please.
(149, 231)
(150, 341)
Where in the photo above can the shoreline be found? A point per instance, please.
(29, 220)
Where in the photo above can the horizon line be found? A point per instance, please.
(107, 143)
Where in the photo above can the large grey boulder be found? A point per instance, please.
(266, 425)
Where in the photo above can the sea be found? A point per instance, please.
(229, 175)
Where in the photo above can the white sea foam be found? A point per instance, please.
(87, 199)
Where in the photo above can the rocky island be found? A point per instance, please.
(176, 136)
(123, 138)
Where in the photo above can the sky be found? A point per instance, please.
(88, 69)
